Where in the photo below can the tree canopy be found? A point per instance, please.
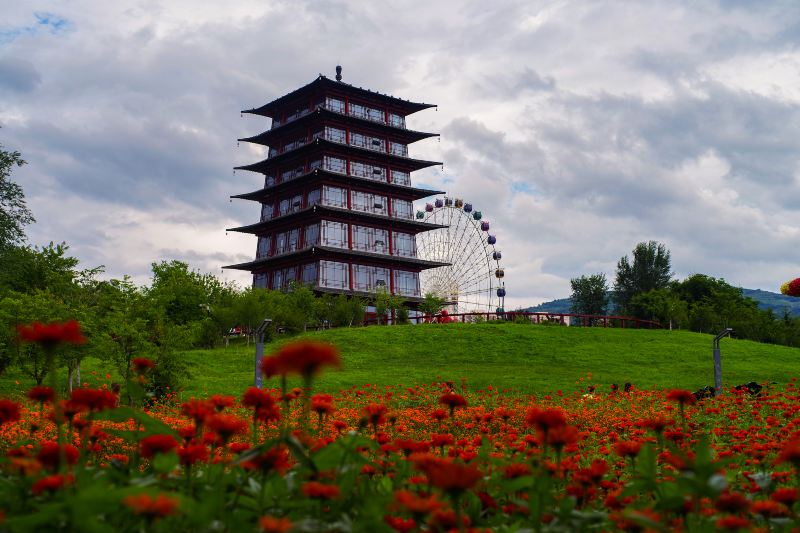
(14, 212)
(649, 269)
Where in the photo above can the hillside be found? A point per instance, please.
(766, 300)
(518, 356)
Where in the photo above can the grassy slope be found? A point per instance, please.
(517, 356)
(524, 357)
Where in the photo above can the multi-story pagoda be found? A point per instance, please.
(336, 207)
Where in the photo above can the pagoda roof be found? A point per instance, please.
(415, 192)
(332, 252)
(268, 137)
(322, 82)
(408, 163)
(386, 221)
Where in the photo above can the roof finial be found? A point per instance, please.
(338, 73)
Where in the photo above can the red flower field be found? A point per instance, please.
(392, 459)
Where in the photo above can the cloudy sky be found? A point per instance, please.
(579, 128)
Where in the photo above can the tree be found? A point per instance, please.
(649, 270)
(662, 305)
(14, 213)
(431, 305)
(589, 295)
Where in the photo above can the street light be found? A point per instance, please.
(260, 332)
(718, 360)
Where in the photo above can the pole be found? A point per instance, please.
(718, 359)
(260, 333)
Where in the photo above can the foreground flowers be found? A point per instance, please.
(419, 458)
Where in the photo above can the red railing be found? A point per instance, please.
(563, 319)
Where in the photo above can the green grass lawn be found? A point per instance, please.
(523, 357)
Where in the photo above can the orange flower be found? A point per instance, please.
(49, 335)
(306, 358)
(152, 508)
(272, 524)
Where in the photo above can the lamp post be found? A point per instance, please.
(718, 359)
(260, 333)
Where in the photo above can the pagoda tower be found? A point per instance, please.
(336, 206)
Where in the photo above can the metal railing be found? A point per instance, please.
(563, 319)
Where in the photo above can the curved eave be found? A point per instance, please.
(415, 192)
(268, 109)
(268, 138)
(328, 251)
(265, 165)
(390, 222)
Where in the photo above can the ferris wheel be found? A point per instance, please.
(473, 281)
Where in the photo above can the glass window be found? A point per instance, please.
(358, 110)
(334, 275)
(406, 283)
(312, 235)
(293, 239)
(315, 164)
(278, 279)
(314, 197)
(260, 280)
(369, 239)
(402, 208)
(297, 203)
(376, 115)
(309, 274)
(280, 243)
(266, 211)
(398, 149)
(368, 202)
(272, 152)
(334, 234)
(269, 181)
(336, 135)
(291, 275)
(401, 178)
(264, 245)
(404, 244)
(335, 164)
(334, 196)
(283, 206)
(397, 121)
(369, 278)
(334, 104)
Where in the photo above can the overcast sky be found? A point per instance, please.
(578, 128)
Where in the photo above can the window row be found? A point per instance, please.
(338, 275)
(337, 197)
(340, 166)
(337, 235)
(354, 109)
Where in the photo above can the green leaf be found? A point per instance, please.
(164, 463)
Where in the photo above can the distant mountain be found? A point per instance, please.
(766, 300)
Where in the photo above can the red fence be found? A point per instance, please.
(563, 319)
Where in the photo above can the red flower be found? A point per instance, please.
(49, 335)
(222, 401)
(561, 436)
(545, 419)
(415, 504)
(515, 470)
(198, 410)
(769, 508)
(41, 394)
(374, 413)
(733, 523)
(151, 508)
(790, 453)
(306, 358)
(226, 426)
(627, 448)
(154, 444)
(784, 495)
(257, 398)
(322, 404)
(9, 411)
(452, 400)
(272, 524)
(450, 476)
(51, 483)
(683, 397)
(142, 364)
(50, 454)
(93, 399)
(193, 453)
(320, 491)
(270, 366)
(274, 459)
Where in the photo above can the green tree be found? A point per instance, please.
(14, 212)
(649, 269)
(589, 295)
(431, 304)
(183, 293)
(661, 305)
